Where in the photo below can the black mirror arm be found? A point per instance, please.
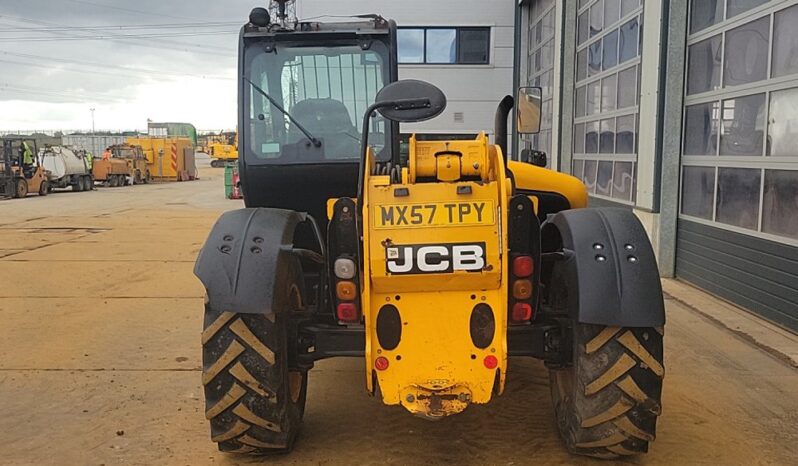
(400, 104)
(364, 145)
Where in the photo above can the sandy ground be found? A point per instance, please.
(100, 357)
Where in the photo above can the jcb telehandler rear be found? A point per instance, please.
(433, 271)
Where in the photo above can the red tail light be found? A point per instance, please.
(522, 312)
(347, 312)
(381, 363)
(523, 266)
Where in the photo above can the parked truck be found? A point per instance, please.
(66, 168)
(112, 172)
(139, 172)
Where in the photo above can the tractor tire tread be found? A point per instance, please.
(617, 391)
(246, 400)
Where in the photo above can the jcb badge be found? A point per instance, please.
(435, 258)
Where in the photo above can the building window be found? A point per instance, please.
(606, 116)
(740, 136)
(540, 71)
(444, 45)
(411, 45)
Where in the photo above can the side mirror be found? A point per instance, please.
(528, 109)
(405, 101)
(410, 101)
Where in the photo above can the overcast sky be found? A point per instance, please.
(52, 75)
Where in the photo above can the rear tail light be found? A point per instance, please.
(523, 266)
(345, 268)
(345, 291)
(522, 289)
(347, 312)
(522, 312)
(522, 278)
(381, 363)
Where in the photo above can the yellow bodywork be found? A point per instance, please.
(167, 158)
(436, 370)
(224, 152)
(223, 148)
(534, 178)
(453, 193)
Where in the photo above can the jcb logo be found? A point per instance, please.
(435, 258)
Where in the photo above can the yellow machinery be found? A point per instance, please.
(112, 172)
(138, 169)
(224, 150)
(168, 159)
(17, 179)
(447, 222)
(433, 271)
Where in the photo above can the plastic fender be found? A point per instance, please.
(245, 263)
(611, 262)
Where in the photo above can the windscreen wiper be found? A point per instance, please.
(307, 134)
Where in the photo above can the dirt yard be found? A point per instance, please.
(100, 360)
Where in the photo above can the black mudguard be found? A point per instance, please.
(247, 260)
(609, 258)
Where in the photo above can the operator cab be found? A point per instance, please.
(303, 90)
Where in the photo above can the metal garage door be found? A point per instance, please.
(738, 222)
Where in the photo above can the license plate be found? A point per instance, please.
(434, 214)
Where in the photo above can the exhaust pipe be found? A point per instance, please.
(500, 128)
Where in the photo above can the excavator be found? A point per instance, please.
(224, 150)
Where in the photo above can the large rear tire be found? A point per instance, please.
(254, 400)
(608, 401)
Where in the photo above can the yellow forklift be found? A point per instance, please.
(22, 173)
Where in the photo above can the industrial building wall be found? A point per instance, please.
(473, 90)
(94, 144)
(685, 112)
(738, 212)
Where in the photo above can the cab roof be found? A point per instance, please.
(360, 25)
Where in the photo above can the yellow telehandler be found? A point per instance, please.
(433, 271)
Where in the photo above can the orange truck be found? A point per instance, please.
(111, 172)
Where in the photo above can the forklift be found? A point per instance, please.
(17, 179)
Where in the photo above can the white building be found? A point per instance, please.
(465, 47)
